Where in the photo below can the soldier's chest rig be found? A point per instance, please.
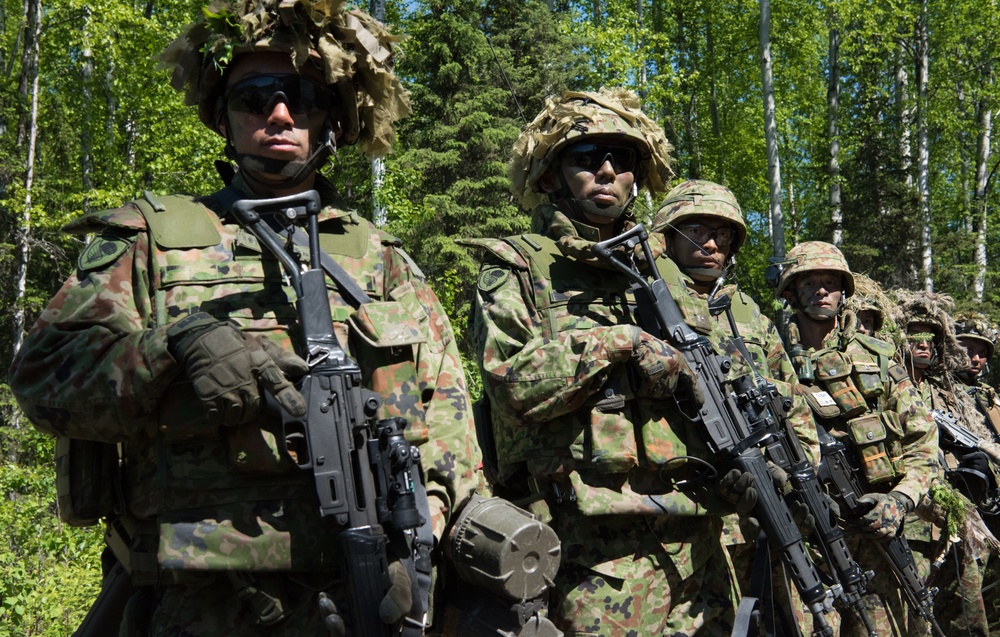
(847, 389)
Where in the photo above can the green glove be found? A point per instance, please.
(885, 517)
(738, 488)
(398, 599)
(661, 370)
(331, 617)
(228, 369)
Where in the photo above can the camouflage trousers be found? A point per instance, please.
(959, 606)
(642, 576)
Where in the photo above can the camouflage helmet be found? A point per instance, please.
(976, 326)
(354, 51)
(608, 113)
(810, 256)
(699, 198)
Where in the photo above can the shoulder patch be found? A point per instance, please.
(492, 277)
(102, 251)
(897, 373)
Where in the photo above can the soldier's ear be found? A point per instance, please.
(548, 182)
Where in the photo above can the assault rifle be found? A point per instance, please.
(968, 478)
(368, 477)
(836, 471)
(737, 417)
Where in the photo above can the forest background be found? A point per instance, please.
(879, 140)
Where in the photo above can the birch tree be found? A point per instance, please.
(770, 133)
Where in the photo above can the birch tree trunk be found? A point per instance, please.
(379, 214)
(985, 117)
(770, 132)
(34, 13)
(714, 104)
(923, 177)
(833, 134)
(86, 82)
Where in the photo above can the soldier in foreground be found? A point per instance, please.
(582, 413)
(861, 398)
(178, 323)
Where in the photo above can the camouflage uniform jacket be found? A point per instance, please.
(987, 402)
(554, 335)
(860, 396)
(96, 366)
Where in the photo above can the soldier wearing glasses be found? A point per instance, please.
(585, 431)
(176, 323)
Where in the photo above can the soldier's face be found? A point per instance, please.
(920, 343)
(822, 289)
(696, 244)
(978, 354)
(281, 126)
(598, 173)
(866, 322)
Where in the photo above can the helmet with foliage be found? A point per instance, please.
(932, 310)
(868, 296)
(353, 50)
(612, 114)
(976, 326)
(811, 256)
(699, 198)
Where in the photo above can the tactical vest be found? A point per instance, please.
(847, 391)
(193, 468)
(615, 432)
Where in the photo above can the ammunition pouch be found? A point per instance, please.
(86, 480)
(834, 372)
(870, 436)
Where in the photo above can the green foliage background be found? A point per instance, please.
(695, 63)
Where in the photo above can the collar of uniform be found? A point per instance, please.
(552, 222)
(334, 206)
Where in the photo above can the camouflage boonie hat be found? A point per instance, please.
(610, 113)
(354, 50)
(978, 327)
(697, 198)
(810, 256)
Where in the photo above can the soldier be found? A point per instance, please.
(703, 229)
(860, 397)
(873, 309)
(176, 323)
(581, 413)
(934, 357)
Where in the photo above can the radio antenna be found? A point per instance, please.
(505, 79)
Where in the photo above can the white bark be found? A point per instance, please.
(923, 177)
(770, 132)
(982, 158)
(833, 134)
(24, 250)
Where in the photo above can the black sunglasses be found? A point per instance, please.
(258, 94)
(590, 157)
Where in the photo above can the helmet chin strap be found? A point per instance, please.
(289, 173)
(709, 273)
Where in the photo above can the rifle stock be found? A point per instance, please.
(723, 417)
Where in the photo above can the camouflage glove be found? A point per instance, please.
(398, 599)
(394, 606)
(737, 487)
(885, 517)
(228, 369)
(930, 511)
(661, 370)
